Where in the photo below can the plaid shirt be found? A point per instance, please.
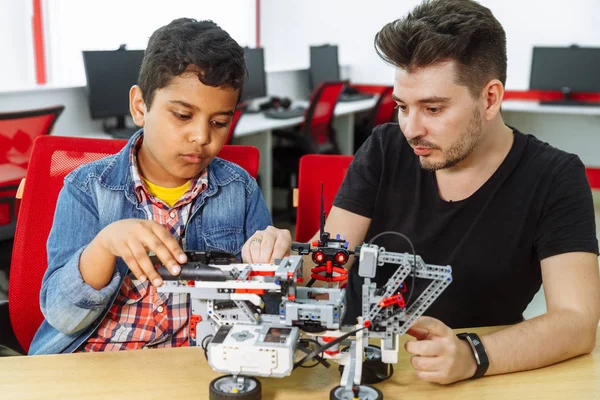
(141, 317)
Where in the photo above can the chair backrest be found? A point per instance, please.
(236, 117)
(318, 119)
(314, 170)
(247, 157)
(383, 111)
(52, 158)
(18, 130)
(385, 107)
(593, 175)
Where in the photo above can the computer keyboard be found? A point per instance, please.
(285, 114)
(345, 97)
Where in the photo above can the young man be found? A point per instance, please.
(164, 192)
(504, 209)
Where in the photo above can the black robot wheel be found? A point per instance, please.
(227, 387)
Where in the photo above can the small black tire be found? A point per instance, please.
(365, 392)
(374, 370)
(220, 389)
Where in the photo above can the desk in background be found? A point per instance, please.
(575, 129)
(536, 107)
(257, 130)
(183, 373)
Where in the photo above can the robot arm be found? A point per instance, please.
(385, 311)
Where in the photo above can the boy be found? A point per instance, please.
(164, 192)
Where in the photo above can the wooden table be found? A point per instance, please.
(183, 373)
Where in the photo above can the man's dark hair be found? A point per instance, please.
(187, 44)
(442, 30)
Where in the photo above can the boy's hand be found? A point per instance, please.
(131, 239)
(265, 246)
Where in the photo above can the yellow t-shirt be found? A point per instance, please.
(168, 195)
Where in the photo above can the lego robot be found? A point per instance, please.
(255, 320)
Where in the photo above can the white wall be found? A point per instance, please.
(290, 27)
(16, 44)
(71, 26)
(76, 25)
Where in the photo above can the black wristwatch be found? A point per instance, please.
(478, 351)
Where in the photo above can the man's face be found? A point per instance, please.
(184, 129)
(439, 118)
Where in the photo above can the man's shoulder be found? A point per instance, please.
(385, 138)
(388, 133)
(542, 157)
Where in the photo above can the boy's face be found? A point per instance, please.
(184, 129)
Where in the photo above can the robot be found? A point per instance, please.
(257, 320)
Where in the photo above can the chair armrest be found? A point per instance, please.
(20, 189)
(9, 345)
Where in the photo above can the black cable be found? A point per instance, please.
(205, 346)
(325, 347)
(306, 349)
(304, 346)
(414, 268)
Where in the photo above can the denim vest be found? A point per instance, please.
(223, 217)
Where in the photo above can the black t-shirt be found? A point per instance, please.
(536, 205)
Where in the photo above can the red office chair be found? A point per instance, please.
(315, 136)
(234, 121)
(246, 157)
(52, 158)
(383, 112)
(18, 130)
(315, 170)
(318, 130)
(593, 175)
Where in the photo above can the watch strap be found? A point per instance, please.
(481, 357)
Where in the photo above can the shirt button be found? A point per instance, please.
(172, 215)
(160, 309)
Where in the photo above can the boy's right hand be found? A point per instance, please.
(131, 239)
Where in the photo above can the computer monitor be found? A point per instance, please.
(324, 65)
(255, 85)
(567, 69)
(110, 75)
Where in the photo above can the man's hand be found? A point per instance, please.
(131, 239)
(439, 356)
(265, 246)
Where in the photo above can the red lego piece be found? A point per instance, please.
(395, 299)
(194, 319)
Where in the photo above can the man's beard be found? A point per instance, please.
(457, 151)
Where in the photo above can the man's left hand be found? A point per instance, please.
(438, 355)
(264, 247)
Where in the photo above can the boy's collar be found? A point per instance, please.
(117, 175)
